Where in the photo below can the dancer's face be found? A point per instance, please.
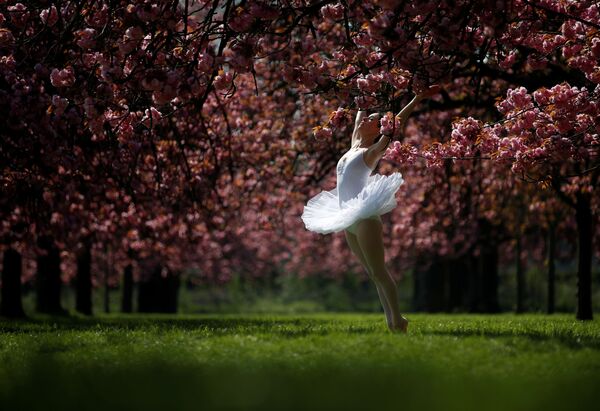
(369, 127)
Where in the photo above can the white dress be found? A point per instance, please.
(358, 195)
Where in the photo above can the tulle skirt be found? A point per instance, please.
(323, 214)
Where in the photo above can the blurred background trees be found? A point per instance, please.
(147, 145)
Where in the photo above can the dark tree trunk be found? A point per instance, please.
(486, 275)
(584, 269)
(585, 232)
(11, 306)
(434, 284)
(127, 302)
(446, 273)
(83, 281)
(107, 271)
(473, 285)
(149, 290)
(171, 292)
(520, 308)
(551, 267)
(429, 287)
(489, 274)
(158, 293)
(418, 299)
(48, 282)
(457, 283)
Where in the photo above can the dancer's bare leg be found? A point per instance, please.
(370, 239)
(356, 250)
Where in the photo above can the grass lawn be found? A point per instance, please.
(300, 361)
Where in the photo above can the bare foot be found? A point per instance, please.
(401, 327)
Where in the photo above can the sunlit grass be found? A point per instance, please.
(299, 361)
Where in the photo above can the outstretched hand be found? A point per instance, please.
(431, 91)
(408, 109)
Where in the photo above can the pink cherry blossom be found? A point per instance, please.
(62, 78)
(86, 38)
(49, 16)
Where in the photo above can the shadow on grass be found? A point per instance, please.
(47, 385)
(565, 337)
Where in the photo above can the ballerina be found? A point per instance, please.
(358, 200)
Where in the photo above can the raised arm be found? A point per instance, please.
(377, 150)
(408, 109)
(359, 116)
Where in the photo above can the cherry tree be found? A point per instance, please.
(185, 133)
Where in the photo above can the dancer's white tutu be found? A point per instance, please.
(357, 195)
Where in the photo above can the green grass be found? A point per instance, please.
(301, 361)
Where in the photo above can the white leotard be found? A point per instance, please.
(357, 196)
(352, 175)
